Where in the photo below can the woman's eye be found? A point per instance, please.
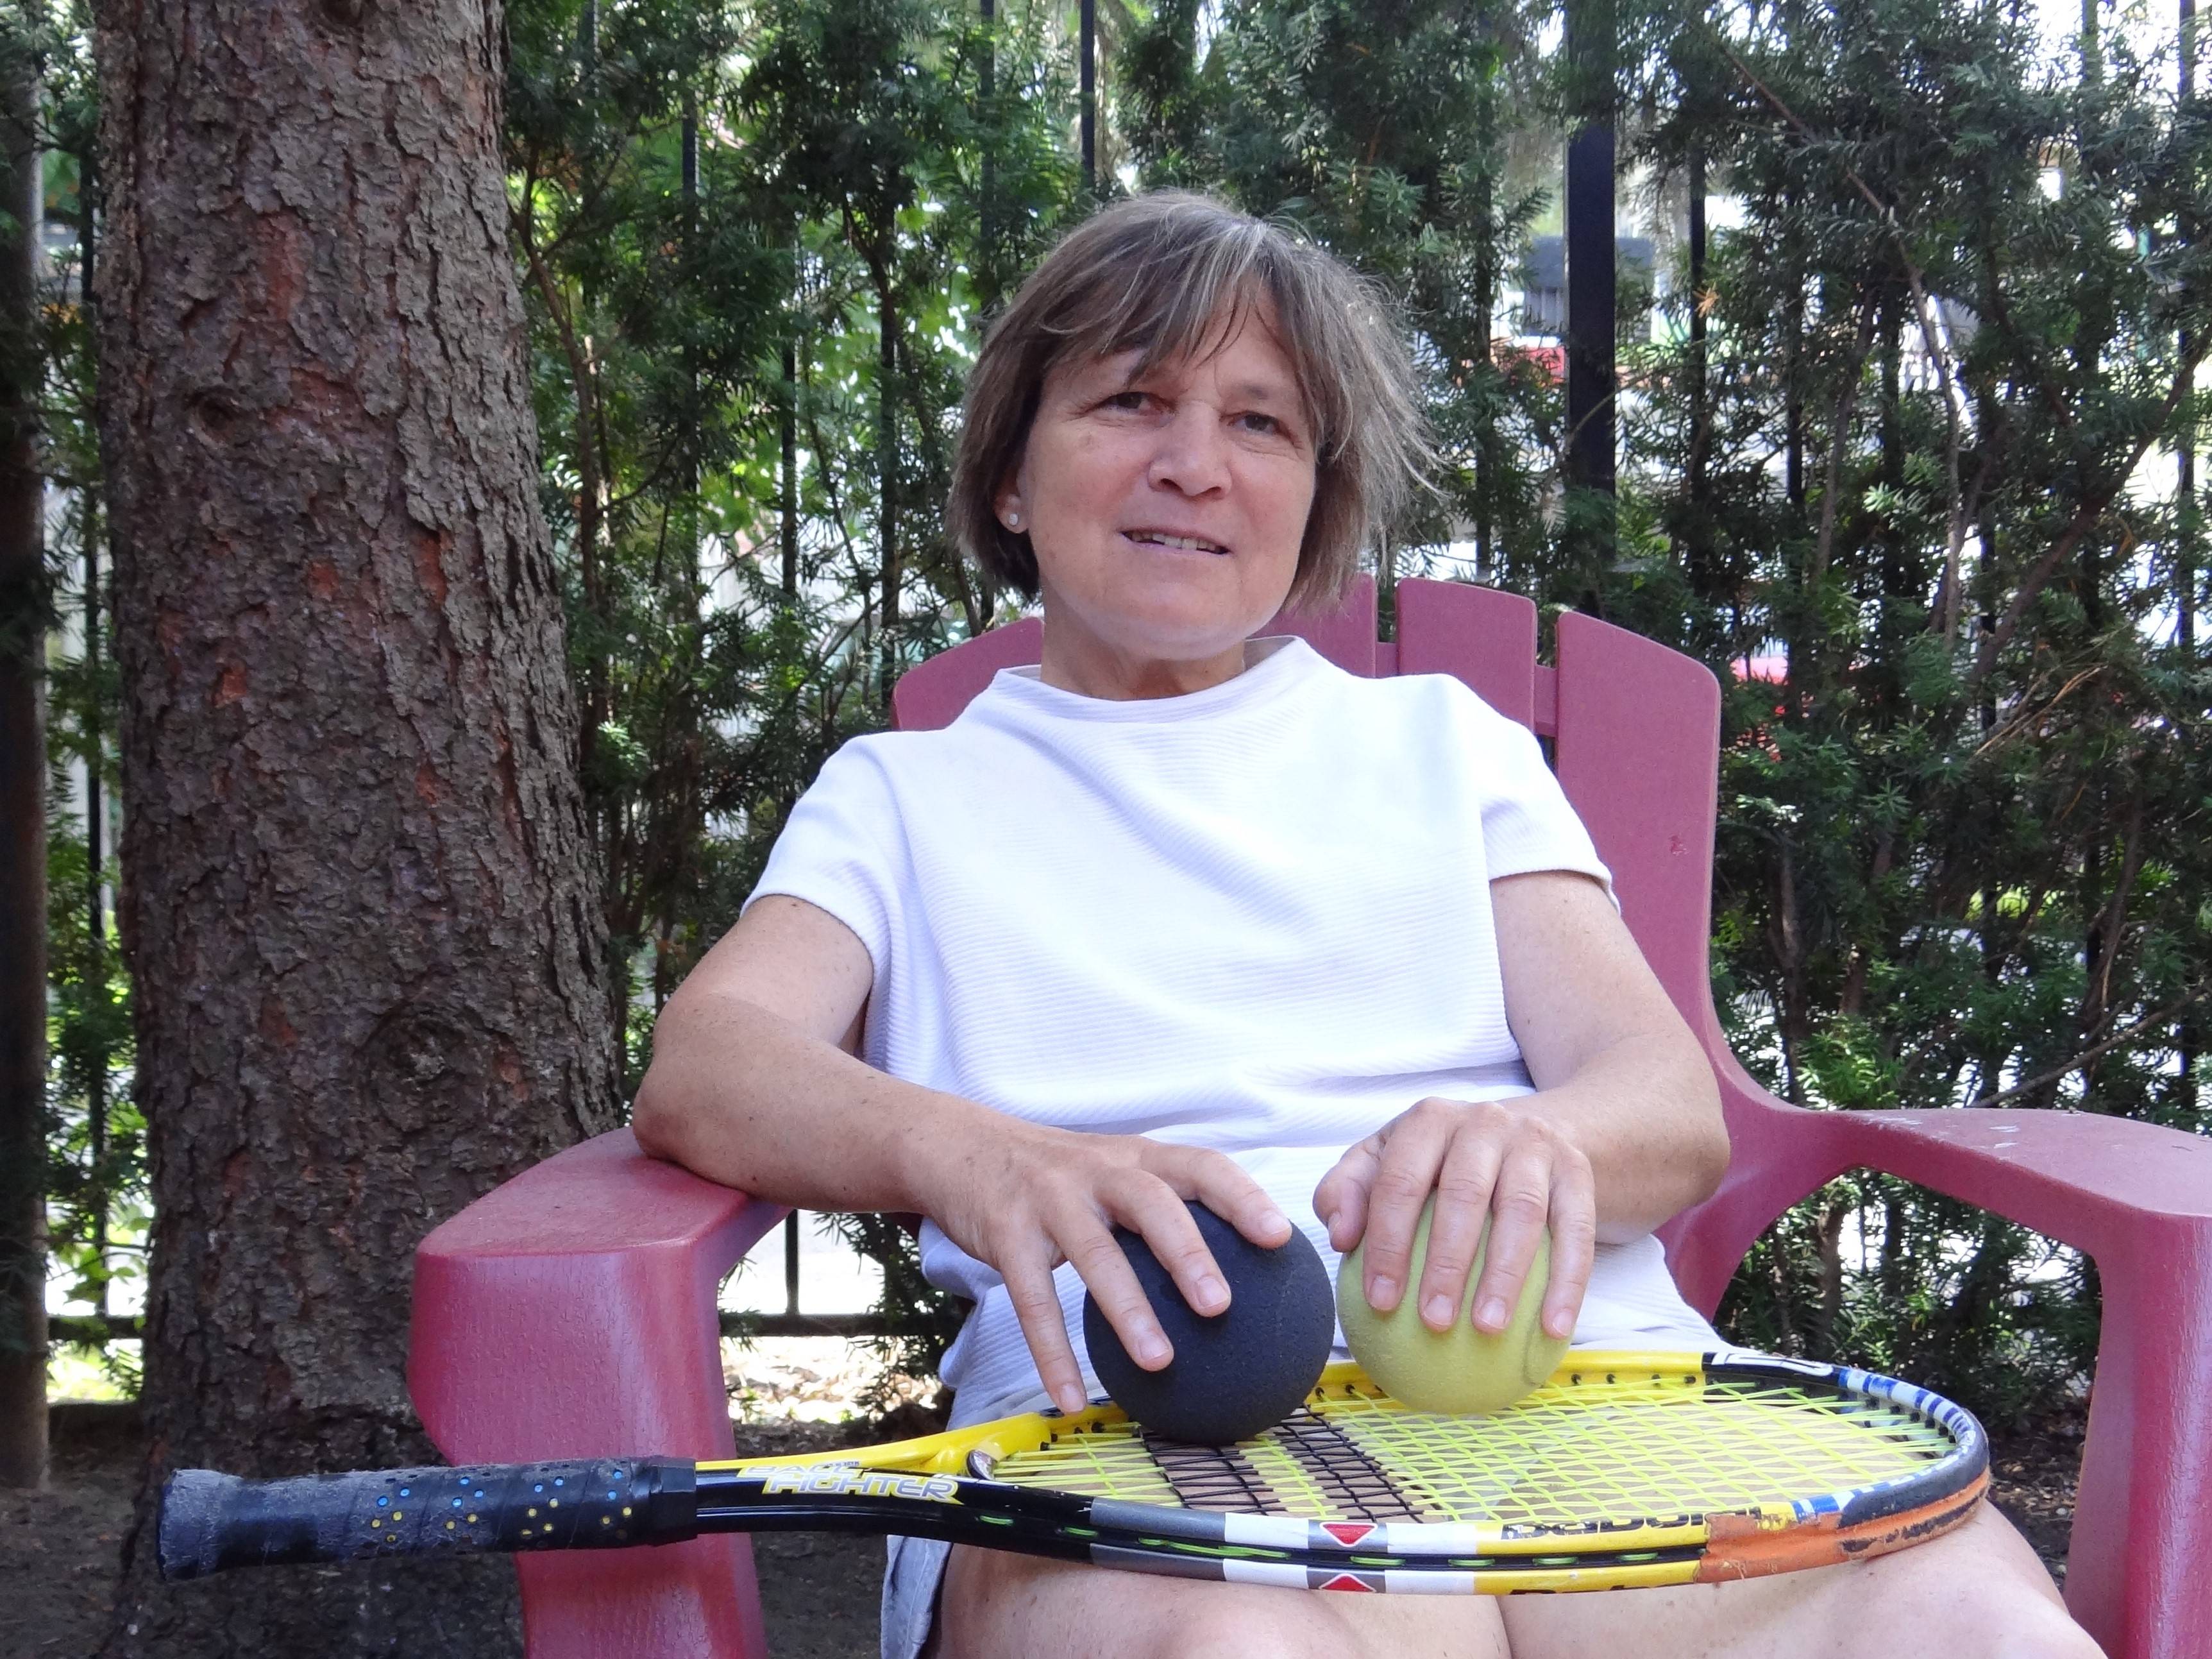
(1130, 400)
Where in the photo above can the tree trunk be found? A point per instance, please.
(22, 798)
(887, 464)
(1700, 423)
(369, 957)
(1489, 451)
(1793, 392)
(788, 479)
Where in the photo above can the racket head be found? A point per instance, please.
(1625, 1468)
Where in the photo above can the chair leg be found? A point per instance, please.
(2143, 1530)
(694, 1598)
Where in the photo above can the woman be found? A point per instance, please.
(1183, 913)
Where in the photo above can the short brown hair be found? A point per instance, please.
(1167, 274)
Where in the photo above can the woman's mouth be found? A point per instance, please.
(1181, 544)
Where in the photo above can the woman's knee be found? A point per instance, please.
(1283, 1622)
(1997, 1622)
(999, 1606)
(1979, 1593)
(2009, 1614)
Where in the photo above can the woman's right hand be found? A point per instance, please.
(1023, 1198)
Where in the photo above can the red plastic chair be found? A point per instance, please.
(571, 1312)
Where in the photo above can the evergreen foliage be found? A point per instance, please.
(1951, 353)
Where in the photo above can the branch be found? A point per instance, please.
(2027, 716)
(587, 451)
(822, 469)
(2084, 520)
(1931, 337)
(2115, 917)
(1948, 591)
(2025, 365)
(2045, 1079)
(1838, 439)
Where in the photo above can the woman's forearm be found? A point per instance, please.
(1616, 1070)
(743, 1096)
(1650, 1125)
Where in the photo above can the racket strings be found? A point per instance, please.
(1602, 1451)
(1334, 1478)
(1304, 1467)
(1214, 1476)
(1107, 1460)
(1634, 1452)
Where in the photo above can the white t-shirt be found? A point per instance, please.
(1255, 917)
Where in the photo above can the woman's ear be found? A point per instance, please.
(1013, 512)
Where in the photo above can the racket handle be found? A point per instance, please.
(211, 1522)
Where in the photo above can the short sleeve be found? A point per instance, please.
(839, 851)
(1527, 823)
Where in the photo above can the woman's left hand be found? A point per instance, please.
(1495, 1161)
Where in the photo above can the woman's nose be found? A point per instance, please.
(1193, 456)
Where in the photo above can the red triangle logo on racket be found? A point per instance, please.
(1348, 1532)
(1349, 1580)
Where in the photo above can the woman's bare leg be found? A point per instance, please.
(1979, 1593)
(1011, 1606)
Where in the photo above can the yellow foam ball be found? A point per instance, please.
(1461, 1370)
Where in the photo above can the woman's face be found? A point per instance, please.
(1166, 512)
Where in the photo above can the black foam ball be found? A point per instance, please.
(1235, 1374)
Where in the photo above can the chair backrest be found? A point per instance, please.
(1634, 728)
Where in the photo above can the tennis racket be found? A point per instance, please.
(1625, 1469)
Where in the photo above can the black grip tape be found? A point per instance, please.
(210, 1523)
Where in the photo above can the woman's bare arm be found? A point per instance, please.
(1613, 1059)
(770, 1019)
(1625, 1129)
(754, 1083)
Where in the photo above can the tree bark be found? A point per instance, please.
(369, 956)
(788, 479)
(23, 608)
(887, 461)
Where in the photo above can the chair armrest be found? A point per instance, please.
(571, 1312)
(2088, 1180)
(2137, 1198)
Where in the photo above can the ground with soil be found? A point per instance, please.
(818, 1593)
(58, 1548)
(2033, 1469)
